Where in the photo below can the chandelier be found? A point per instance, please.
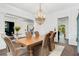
(40, 17)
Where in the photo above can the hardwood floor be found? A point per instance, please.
(69, 50)
(3, 52)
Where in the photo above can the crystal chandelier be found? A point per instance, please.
(40, 17)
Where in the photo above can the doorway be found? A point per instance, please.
(63, 30)
(9, 28)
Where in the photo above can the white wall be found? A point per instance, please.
(51, 23)
(11, 10)
(72, 28)
(4, 9)
(2, 22)
(2, 43)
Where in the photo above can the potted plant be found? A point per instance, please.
(17, 28)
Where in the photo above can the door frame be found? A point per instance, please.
(67, 35)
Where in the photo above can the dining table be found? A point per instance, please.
(30, 43)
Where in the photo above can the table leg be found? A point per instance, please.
(30, 52)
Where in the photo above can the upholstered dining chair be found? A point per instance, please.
(53, 36)
(13, 50)
(37, 34)
(45, 46)
(29, 35)
(51, 32)
(52, 43)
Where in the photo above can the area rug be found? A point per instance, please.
(57, 51)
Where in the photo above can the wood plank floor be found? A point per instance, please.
(69, 50)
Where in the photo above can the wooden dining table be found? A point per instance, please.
(30, 43)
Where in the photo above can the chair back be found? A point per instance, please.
(51, 32)
(10, 45)
(29, 35)
(46, 40)
(45, 47)
(37, 34)
(52, 43)
(53, 36)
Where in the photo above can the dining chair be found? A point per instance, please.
(37, 34)
(53, 36)
(13, 50)
(45, 47)
(29, 35)
(52, 43)
(51, 32)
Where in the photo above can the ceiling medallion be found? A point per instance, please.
(40, 17)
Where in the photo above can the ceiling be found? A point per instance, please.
(47, 7)
(32, 8)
